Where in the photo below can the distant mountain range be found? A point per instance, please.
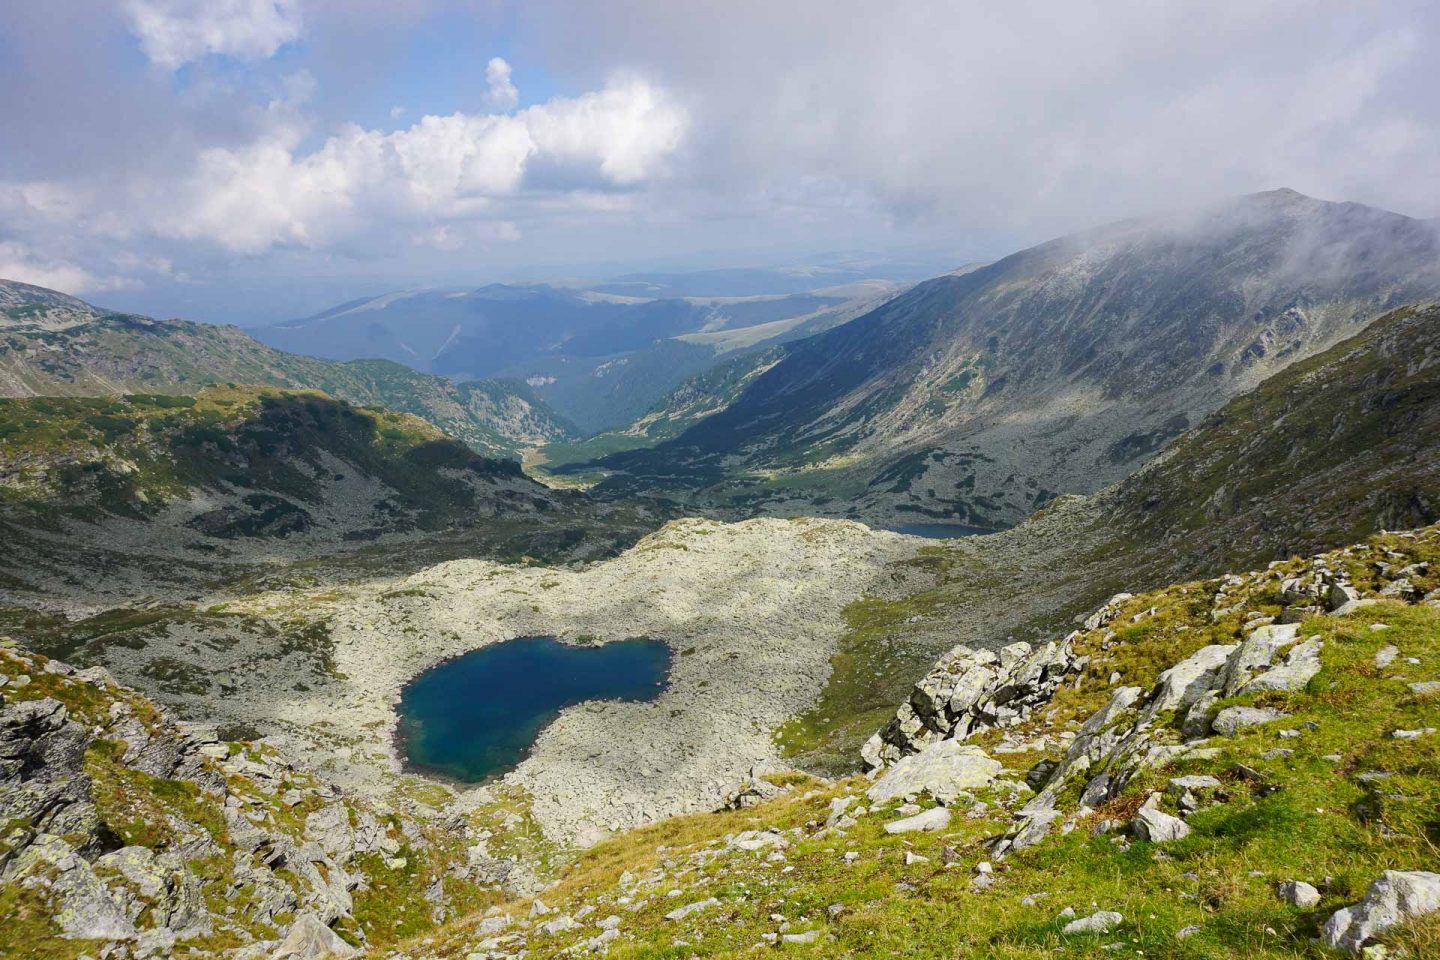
(983, 394)
(55, 345)
(601, 358)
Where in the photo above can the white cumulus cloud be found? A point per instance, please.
(502, 94)
(442, 169)
(175, 32)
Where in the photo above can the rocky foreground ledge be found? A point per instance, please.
(1141, 789)
(155, 838)
(1192, 709)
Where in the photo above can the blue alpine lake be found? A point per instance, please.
(474, 717)
(938, 530)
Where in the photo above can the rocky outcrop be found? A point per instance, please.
(1138, 728)
(132, 827)
(970, 690)
(1123, 738)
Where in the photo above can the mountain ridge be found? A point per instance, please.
(83, 350)
(1057, 369)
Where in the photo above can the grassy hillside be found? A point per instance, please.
(134, 454)
(83, 351)
(174, 490)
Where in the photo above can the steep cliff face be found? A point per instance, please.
(1059, 369)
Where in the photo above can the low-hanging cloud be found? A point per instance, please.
(19, 263)
(817, 124)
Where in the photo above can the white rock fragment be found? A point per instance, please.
(937, 818)
(1102, 921)
(680, 913)
(1299, 893)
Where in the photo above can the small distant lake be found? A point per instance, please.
(475, 717)
(938, 530)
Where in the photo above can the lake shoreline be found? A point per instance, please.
(409, 721)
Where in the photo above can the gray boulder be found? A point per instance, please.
(310, 939)
(1300, 666)
(1257, 653)
(1299, 893)
(936, 818)
(330, 827)
(1232, 720)
(944, 770)
(1340, 595)
(1392, 899)
(1158, 826)
(1188, 681)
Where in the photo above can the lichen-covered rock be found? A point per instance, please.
(1394, 898)
(80, 903)
(310, 939)
(944, 771)
(140, 879)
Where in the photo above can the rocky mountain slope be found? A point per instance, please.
(1059, 369)
(54, 345)
(25, 305)
(748, 352)
(129, 833)
(1327, 450)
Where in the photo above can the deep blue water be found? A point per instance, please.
(474, 717)
(938, 530)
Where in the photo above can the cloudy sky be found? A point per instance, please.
(249, 160)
